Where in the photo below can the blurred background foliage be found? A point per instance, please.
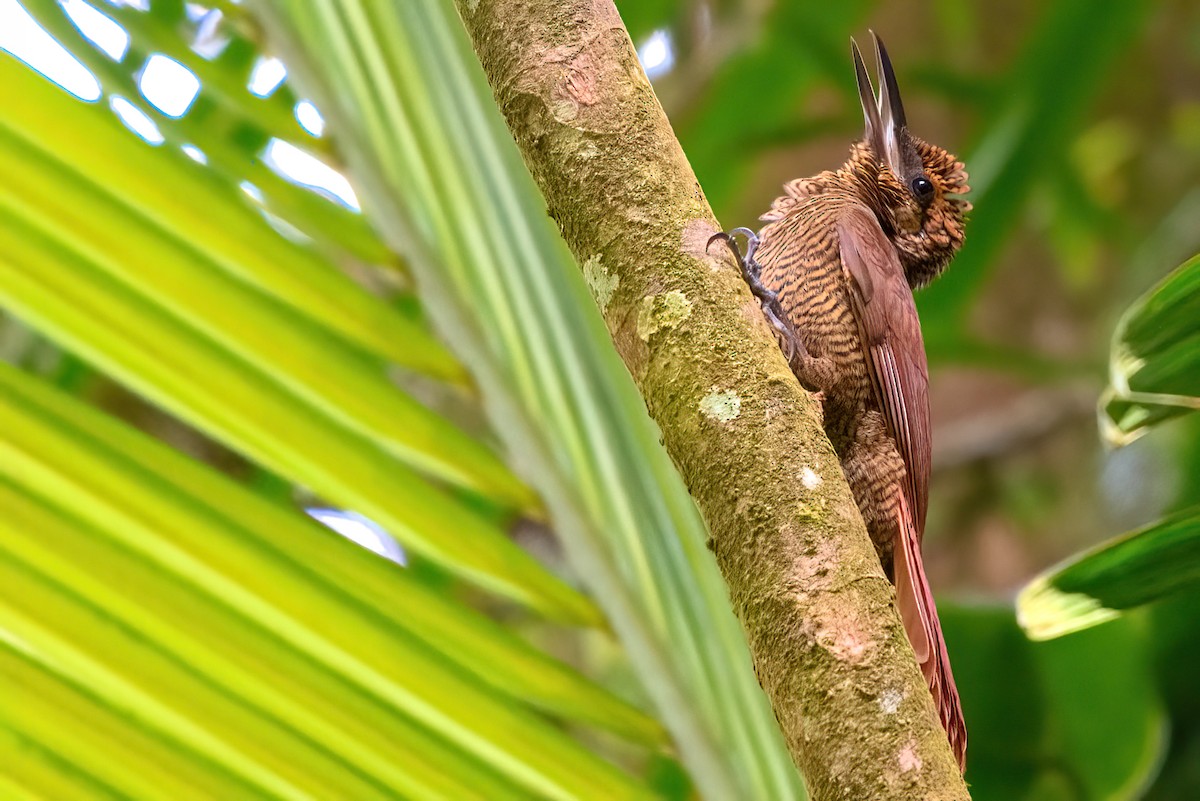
(1079, 122)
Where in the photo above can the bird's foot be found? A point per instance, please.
(769, 300)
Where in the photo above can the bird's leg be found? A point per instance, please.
(789, 341)
(816, 373)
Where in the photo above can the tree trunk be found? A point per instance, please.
(804, 579)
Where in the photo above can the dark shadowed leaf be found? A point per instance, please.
(1075, 719)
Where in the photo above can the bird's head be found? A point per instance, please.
(914, 187)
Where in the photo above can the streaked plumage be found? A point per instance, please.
(839, 258)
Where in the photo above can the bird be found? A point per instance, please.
(834, 269)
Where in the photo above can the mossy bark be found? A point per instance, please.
(819, 615)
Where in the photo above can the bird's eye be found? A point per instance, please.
(922, 187)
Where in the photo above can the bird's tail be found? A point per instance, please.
(924, 630)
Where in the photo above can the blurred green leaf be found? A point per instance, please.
(643, 17)
(140, 295)
(240, 643)
(224, 77)
(31, 773)
(169, 193)
(1041, 108)
(1154, 371)
(1123, 573)
(1075, 719)
(759, 93)
(225, 122)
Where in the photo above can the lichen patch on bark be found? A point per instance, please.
(664, 310)
(600, 281)
(588, 150)
(721, 406)
(809, 478)
(890, 699)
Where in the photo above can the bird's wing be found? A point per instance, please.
(891, 335)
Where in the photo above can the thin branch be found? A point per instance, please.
(828, 645)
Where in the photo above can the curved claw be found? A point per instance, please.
(723, 236)
(729, 243)
(728, 238)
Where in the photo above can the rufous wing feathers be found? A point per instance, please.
(890, 332)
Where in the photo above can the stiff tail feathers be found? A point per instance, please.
(919, 614)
